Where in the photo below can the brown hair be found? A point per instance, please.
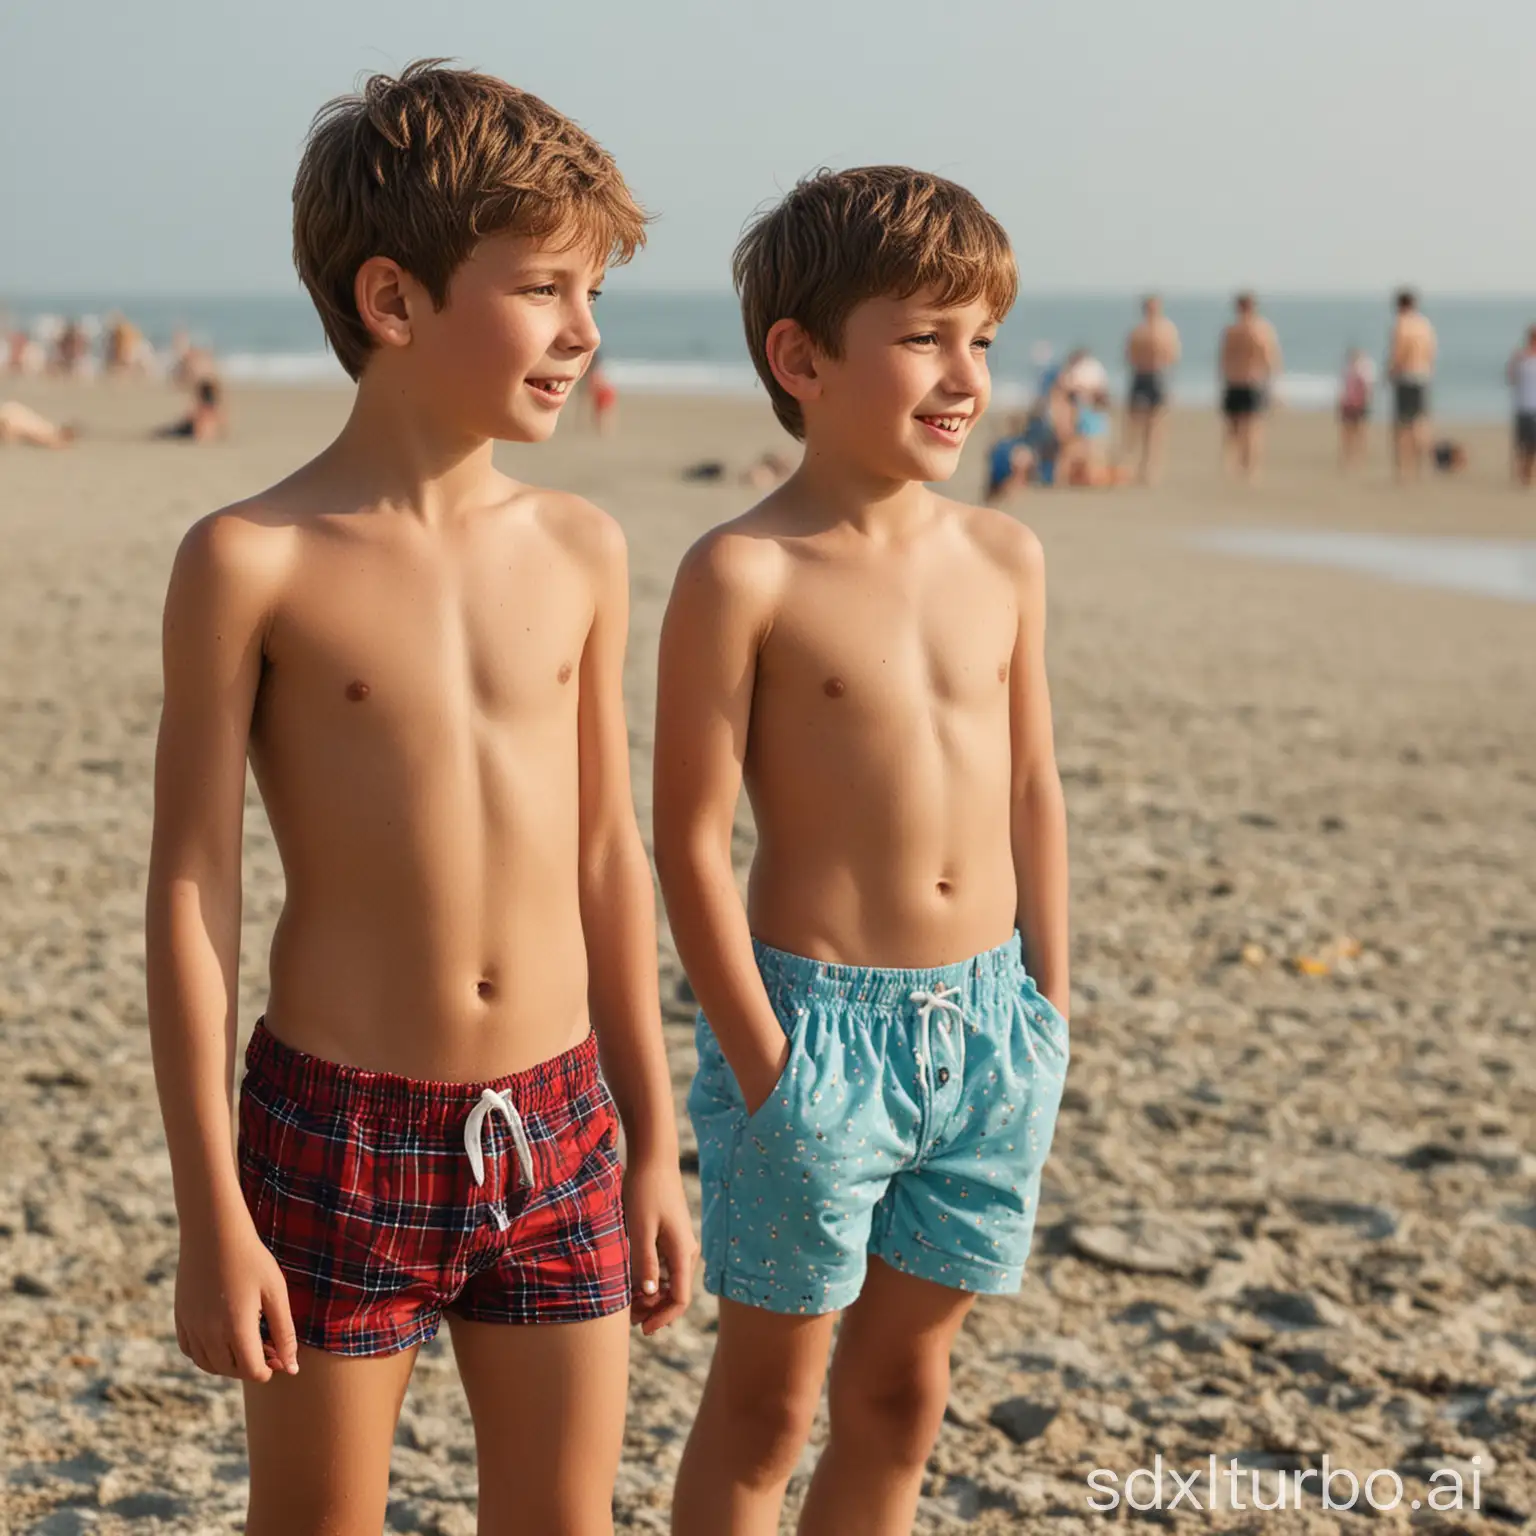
(421, 168)
(842, 237)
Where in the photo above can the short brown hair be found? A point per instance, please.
(422, 168)
(842, 237)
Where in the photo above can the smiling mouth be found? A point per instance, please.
(950, 426)
(556, 389)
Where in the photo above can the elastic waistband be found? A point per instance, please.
(874, 984)
(328, 1087)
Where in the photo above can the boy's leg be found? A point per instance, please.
(547, 1401)
(319, 1444)
(755, 1417)
(890, 1385)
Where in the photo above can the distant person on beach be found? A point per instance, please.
(1410, 368)
(602, 397)
(423, 661)
(72, 350)
(126, 350)
(206, 420)
(22, 425)
(1084, 458)
(879, 1073)
(1522, 382)
(1152, 351)
(1248, 364)
(1357, 386)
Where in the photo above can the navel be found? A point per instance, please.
(834, 688)
(358, 690)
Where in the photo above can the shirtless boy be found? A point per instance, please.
(1410, 367)
(1151, 351)
(1249, 363)
(422, 660)
(878, 1074)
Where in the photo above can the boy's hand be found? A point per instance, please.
(226, 1282)
(661, 1243)
(758, 1090)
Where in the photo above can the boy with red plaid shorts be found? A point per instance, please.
(423, 660)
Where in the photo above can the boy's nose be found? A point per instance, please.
(582, 334)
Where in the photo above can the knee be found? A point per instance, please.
(894, 1411)
(766, 1426)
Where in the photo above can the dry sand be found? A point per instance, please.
(1272, 772)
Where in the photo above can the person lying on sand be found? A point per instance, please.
(206, 420)
(21, 424)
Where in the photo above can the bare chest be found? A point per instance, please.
(861, 652)
(378, 635)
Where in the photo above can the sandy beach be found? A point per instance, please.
(1291, 1210)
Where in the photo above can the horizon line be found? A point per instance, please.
(1169, 291)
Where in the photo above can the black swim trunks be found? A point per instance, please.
(1410, 400)
(1525, 431)
(1242, 400)
(1147, 393)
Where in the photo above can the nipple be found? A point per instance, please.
(564, 674)
(358, 690)
(1002, 671)
(834, 688)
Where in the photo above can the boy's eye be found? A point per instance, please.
(544, 289)
(926, 337)
(984, 342)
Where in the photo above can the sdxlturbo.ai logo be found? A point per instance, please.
(1233, 1487)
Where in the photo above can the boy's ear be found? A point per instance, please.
(793, 357)
(383, 291)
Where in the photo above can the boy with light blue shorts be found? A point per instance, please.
(912, 1123)
(882, 1044)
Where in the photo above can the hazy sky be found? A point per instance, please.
(149, 146)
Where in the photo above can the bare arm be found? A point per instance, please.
(216, 612)
(618, 901)
(1273, 360)
(1039, 808)
(716, 620)
(618, 919)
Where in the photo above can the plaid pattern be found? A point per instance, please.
(360, 1185)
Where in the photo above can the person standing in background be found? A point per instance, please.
(1410, 366)
(1522, 381)
(1356, 388)
(601, 396)
(1151, 350)
(1248, 364)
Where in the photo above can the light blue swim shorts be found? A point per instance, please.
(912, 1122)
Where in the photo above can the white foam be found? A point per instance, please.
(680, 378)
(283, 368)
(1503, 568)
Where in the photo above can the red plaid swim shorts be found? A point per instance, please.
(388, 1201)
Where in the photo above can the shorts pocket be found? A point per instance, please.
(1047, 1021)
(782, 1095)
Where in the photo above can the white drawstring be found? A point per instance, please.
(492, 1102)
(942, 998)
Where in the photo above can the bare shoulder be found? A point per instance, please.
(1011, 545)
(743, 560)
(246, 548)
(590, 535)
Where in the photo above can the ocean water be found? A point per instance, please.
(1502, 568)
(692, 342)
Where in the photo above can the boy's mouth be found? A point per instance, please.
(552, 389)
(949, 429)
